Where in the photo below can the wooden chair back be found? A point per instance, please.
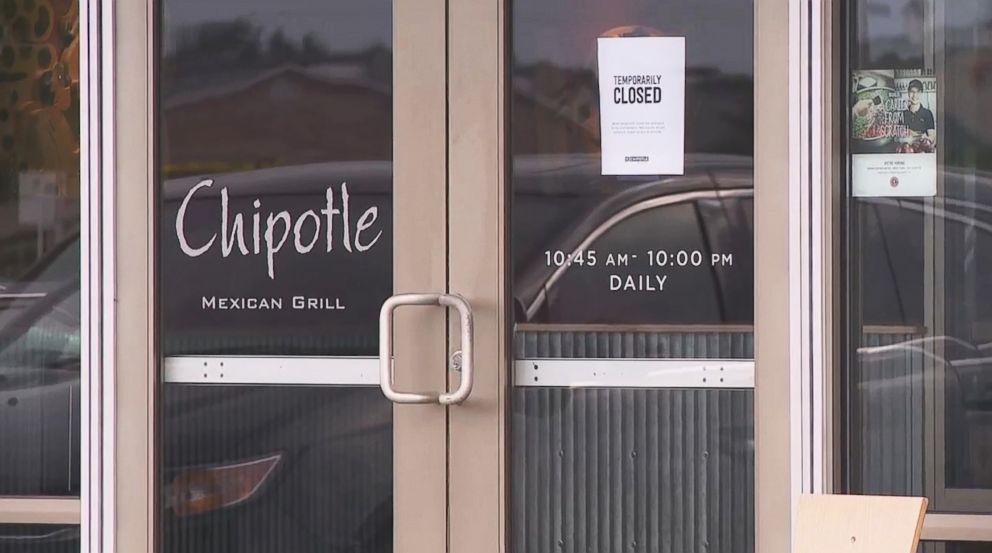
(859, 524)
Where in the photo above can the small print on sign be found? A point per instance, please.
(642, 105)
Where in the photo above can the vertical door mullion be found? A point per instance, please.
(478, 259)
(419, 265)
(130, 354)
(776, 422)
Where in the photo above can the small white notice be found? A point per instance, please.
(642, 105)
(38, 193)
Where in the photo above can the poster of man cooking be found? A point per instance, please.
(894, 133)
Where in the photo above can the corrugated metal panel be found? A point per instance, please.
(650, 345)
(888, 437)
(624, 470)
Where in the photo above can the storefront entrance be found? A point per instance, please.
(405, 307)
(489, 275)
(424, 276)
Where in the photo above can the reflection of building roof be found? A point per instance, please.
(225, 84)
(373, 177)
(556, 110)
(287, 115)
(568, 174)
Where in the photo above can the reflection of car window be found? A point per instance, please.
(47, 337)
(688, 263)
(39, 312)
(892, 265)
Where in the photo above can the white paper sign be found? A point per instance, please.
(894, 175)
(38, 194)
(642, 105)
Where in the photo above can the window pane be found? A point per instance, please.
(276, 243)
(276, 148)
(639, 274)
(39, 248)
(918, 377)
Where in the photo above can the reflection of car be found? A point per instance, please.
(40, 393)
(902, 379)
(39, 375)
(253, 468)
(894, 381)
(250, 468)
(313, 446)
(670, 250)
(308, 468)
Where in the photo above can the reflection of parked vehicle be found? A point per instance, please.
(891, 384)
(308, 468)
(39, 375)
(39, 393)
(247, 468)
(334, 443)
(901, 373)
(672, 250)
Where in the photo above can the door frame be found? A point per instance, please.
(133, 367)
(479, 250)
(825, 450)
(478, 56)
(469, 143)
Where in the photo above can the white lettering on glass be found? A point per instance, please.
(365, 221)
(298, 232)
(181, 226)
(270, 249)
(237, 229)
(277, 226)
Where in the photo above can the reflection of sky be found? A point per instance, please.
(342, 25)
(559, 31)
(964, 13)
(965, 20)
(718, 32)
(888, 18)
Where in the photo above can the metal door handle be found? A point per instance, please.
(386, 348)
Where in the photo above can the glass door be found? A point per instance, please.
(602, 161)
(301, 185)
(313, 161)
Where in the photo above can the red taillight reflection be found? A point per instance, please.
(200, 490)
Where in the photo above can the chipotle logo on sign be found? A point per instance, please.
(283, 260)
(265, 232)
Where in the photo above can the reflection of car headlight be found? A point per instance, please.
(203, 489)
(38, 535)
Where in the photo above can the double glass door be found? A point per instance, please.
(417, 295)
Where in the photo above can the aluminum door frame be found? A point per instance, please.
(479, 254)
(478, 111)
(132, 366)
